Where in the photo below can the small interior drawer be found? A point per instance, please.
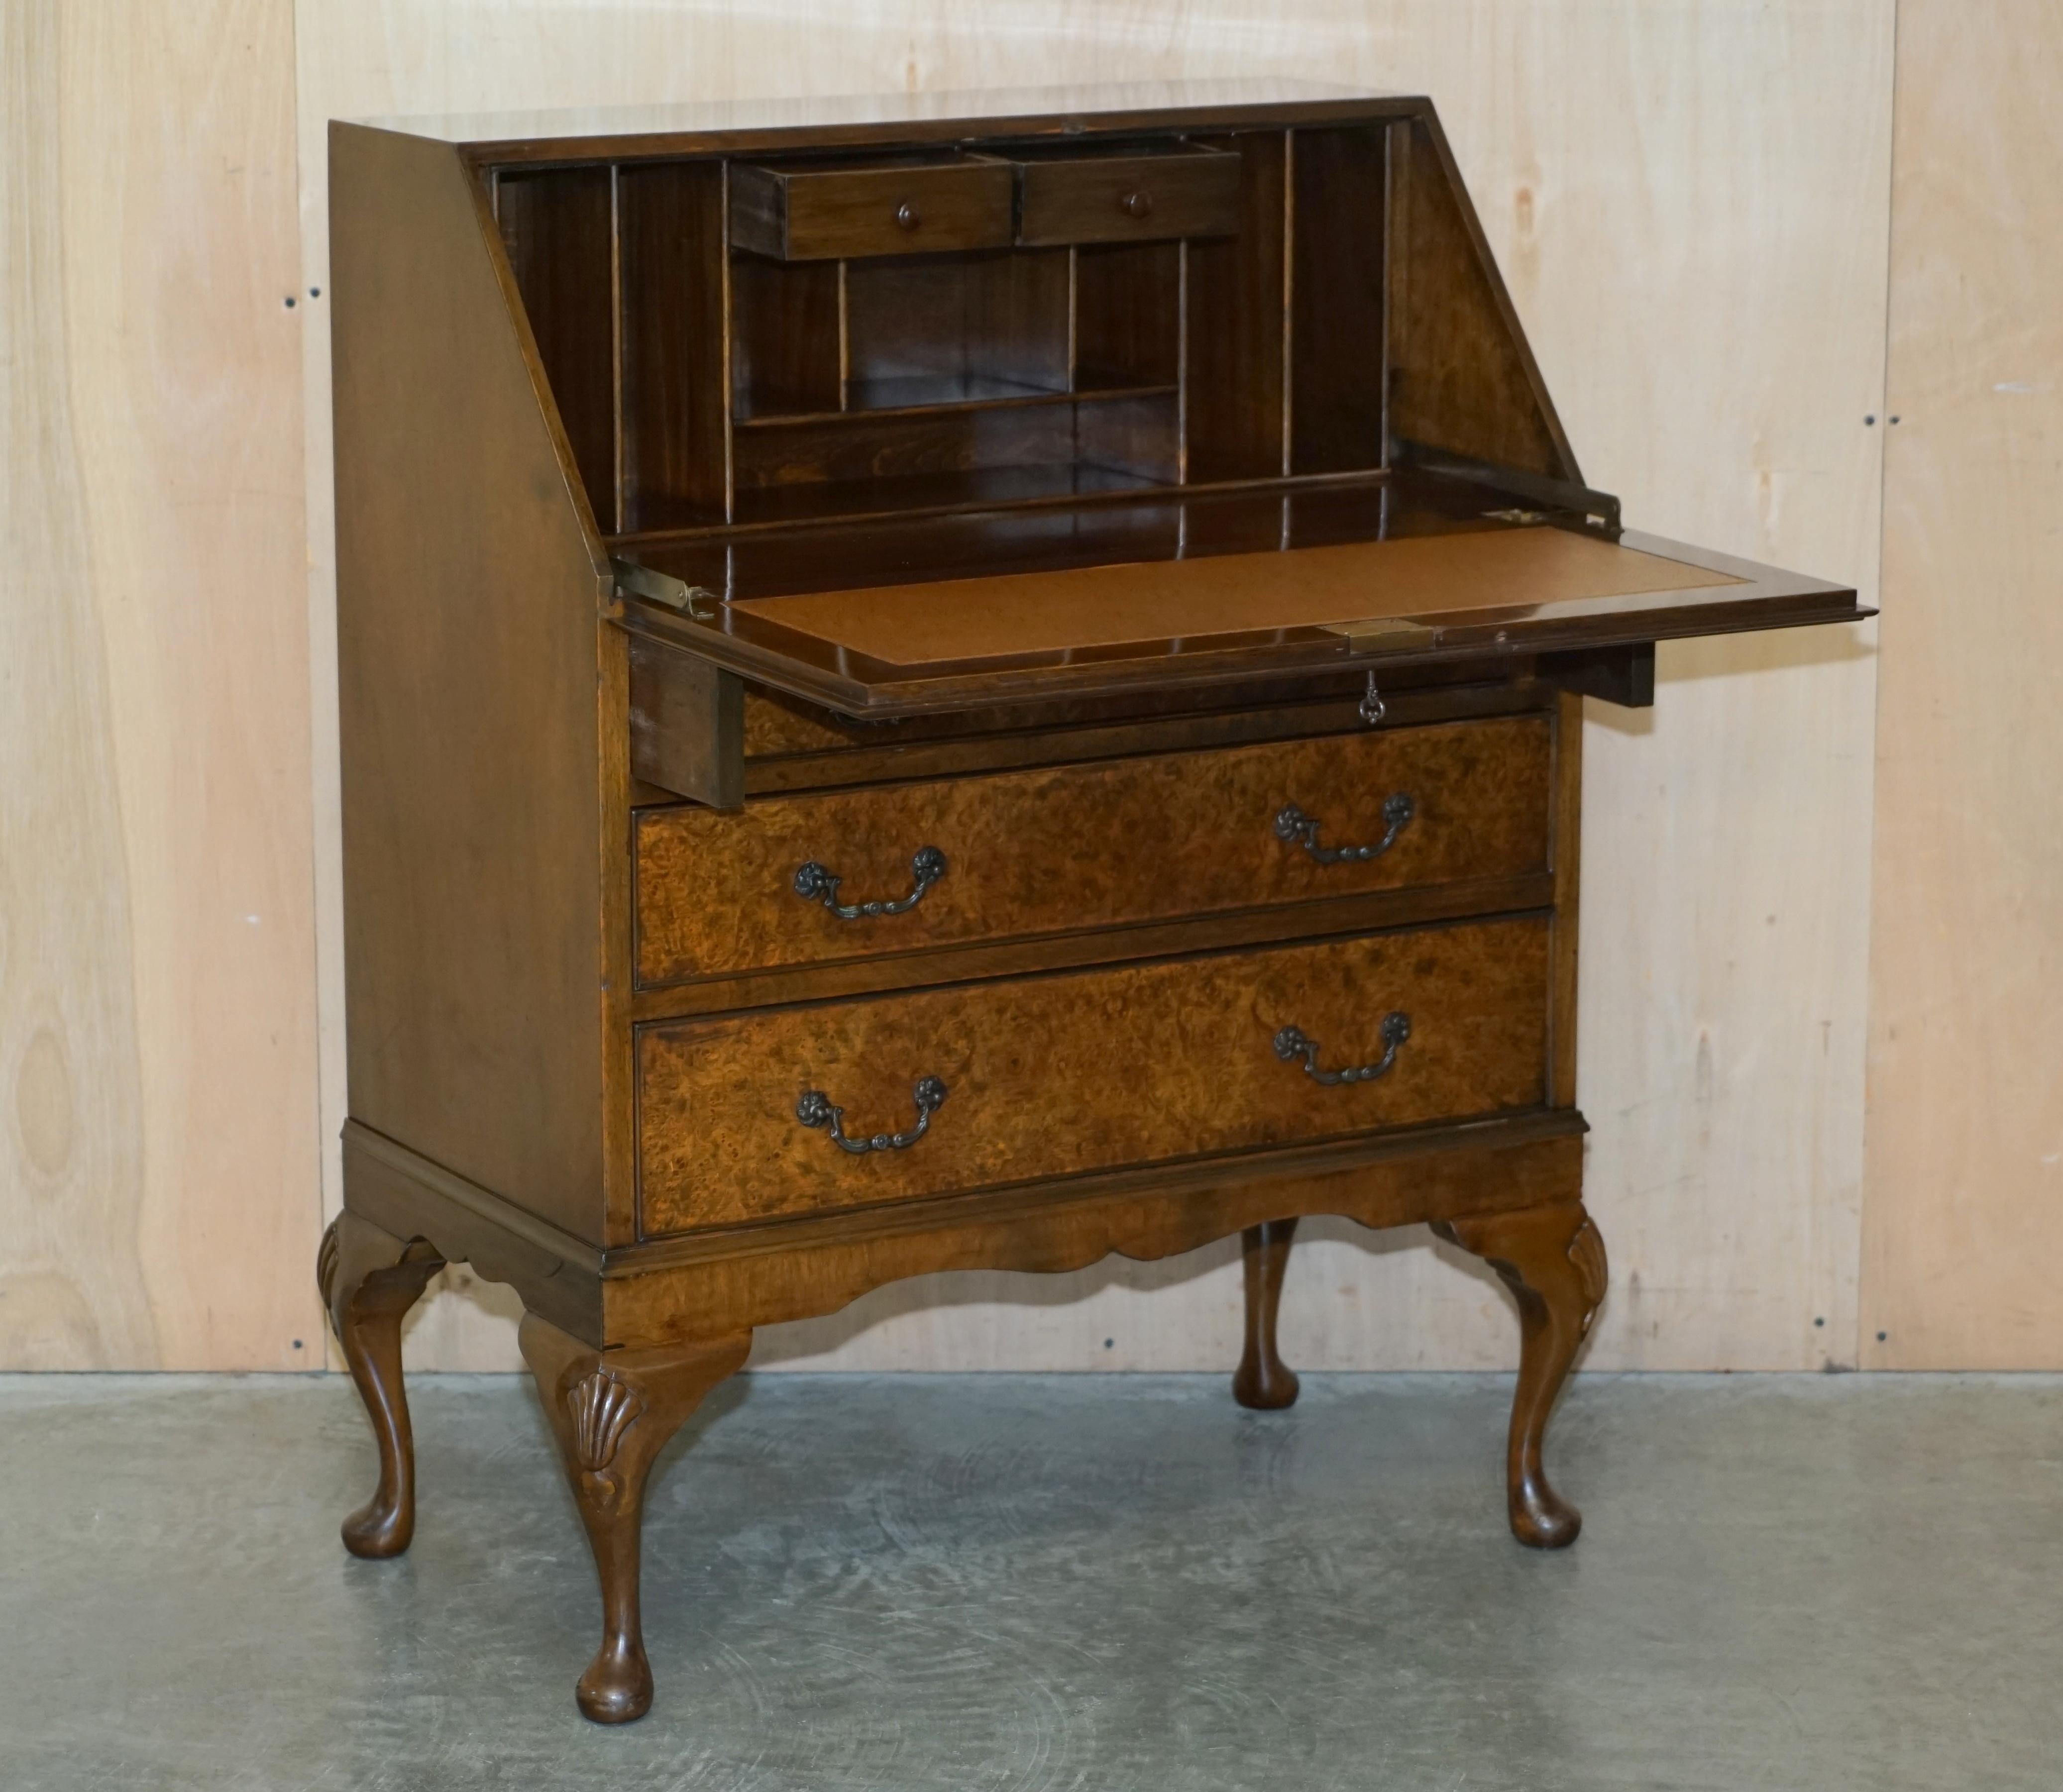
(1135, 193)
(899, 206)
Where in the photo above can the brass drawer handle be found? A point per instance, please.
(1293, 827)
(815, 1110)
(1292, 1044)
(819, 883)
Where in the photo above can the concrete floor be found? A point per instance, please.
(1110, 1582)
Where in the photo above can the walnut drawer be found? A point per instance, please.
(903, 206)
(1141, 195)
(1068, 848)
(1085, 1071)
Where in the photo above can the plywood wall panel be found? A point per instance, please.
(1689, 205)
(1964, 1222)
(157, 1012)
(71, 1147)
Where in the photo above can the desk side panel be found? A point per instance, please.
(468, 677)
(1463, 374)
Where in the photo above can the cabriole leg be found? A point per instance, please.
(1263, 1379)
(1553, 1260)
(369, 1280)
(612, 1412)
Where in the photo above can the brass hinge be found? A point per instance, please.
(1382, 631)
(634, 581)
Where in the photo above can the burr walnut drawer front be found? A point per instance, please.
(789, 1110)
(798, 880)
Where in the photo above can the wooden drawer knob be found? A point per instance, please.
(907, 216)
(1136, 203)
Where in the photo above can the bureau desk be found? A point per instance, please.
(948, 682)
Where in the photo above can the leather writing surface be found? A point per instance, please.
(1424, 576)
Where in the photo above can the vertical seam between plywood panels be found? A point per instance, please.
(327, 1356)
(1876, 718)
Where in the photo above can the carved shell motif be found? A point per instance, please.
(325, 1254)
(602, 1407)
(1586, 1252)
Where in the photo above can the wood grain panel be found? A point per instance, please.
(1963, 1225)
(559, 225)
(472, 796)
(1127, 315)
(157, 1042)
(72, 1293)
(1689, 208)
(674, 380)
(858, 446)
(1714, 345)
(1078, 847)
(976, 319)
(784, 355)
(1237, 298)
(1460, 379)
(1055, 1075)
(1337, 263)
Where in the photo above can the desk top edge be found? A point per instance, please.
(712, 126)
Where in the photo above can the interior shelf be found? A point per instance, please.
(917, 394)
(820, 500)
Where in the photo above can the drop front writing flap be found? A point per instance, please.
(960, 642)
(1521, 572)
